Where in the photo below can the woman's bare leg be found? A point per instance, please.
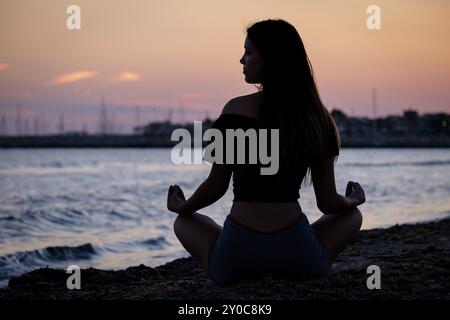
(335, 231)
(197, 234)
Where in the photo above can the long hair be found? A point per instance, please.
(290, 99)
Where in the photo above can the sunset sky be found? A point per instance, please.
(167, 54)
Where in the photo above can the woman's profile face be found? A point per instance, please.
(252, 62)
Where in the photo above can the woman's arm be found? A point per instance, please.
(211, 190)
(216, 185)
(327, 198)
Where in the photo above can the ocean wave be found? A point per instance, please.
(10, 218)
(159, 242)
(22, 261)
(131, 245)
(51, 254)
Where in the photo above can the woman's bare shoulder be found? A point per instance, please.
(246, 105)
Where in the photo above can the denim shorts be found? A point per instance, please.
(242, 254)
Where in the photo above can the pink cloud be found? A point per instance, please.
(128, 76)
(72, 77)
(3, 66)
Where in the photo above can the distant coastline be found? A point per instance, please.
(163, 141)
(410, 130)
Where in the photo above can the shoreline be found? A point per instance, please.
(425, 141)
(414, 260)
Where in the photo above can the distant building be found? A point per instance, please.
(436, 122)
(156, 129)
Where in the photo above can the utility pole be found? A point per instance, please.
(137, 115)
(169, 115)
(155, 113)
(112, 123)
(25, 131)
(36, 126)
(61, 124)
(103, 118)
(374, 102)
(18, 120)
(374, 110)
(181, 115)
(43, 125)
(3, 126)
(181, 112)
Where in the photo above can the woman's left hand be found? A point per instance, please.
(175, 198)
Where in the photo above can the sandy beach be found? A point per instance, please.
(414, 260)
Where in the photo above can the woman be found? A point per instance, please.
(266, 230)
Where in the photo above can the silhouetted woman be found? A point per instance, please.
(266, 230)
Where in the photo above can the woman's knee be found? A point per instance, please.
(178, 224)
(357, 218)
(193, 223)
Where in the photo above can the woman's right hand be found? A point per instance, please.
(355, 192)
(175, 199)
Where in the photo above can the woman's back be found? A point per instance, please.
(262, 216)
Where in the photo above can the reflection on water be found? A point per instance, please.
(106, 208)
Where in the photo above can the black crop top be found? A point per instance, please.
(248, 182)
